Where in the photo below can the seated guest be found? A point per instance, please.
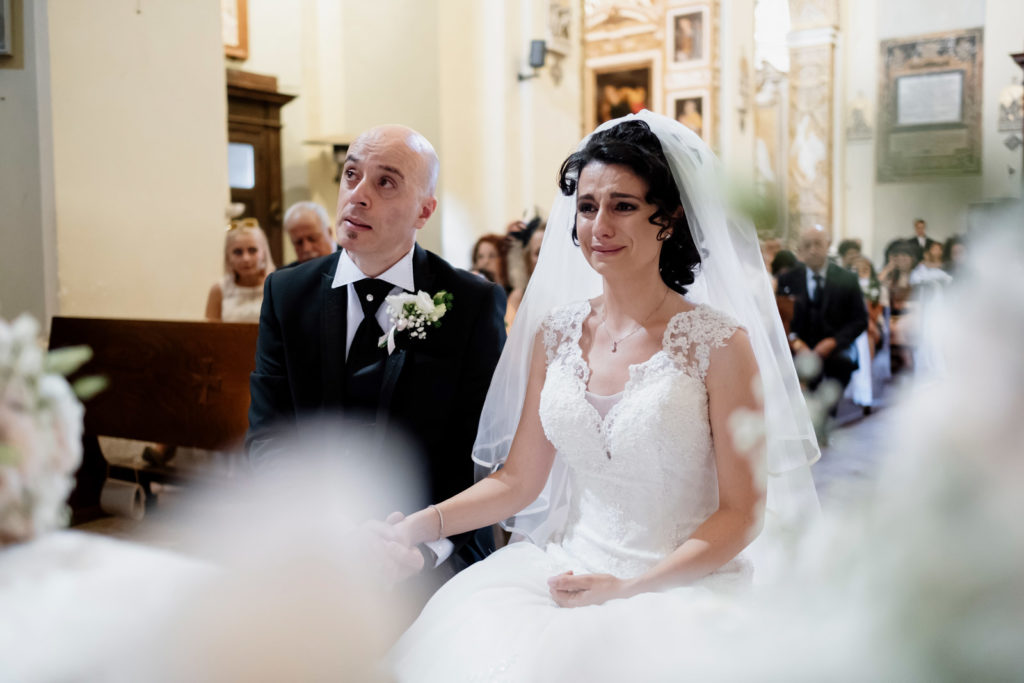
(309, 230)
(895, 278)
(871, 288)
(849, 252)
(828, 308)
(247, 262)
(531, 252)
(769, 248)
(489, 253)
(954, 252)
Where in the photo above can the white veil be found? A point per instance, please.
(731, 278)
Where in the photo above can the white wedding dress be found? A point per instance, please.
(642, 479)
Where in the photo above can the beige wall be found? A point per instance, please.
(28, 278)
(139, 178)
(300, 44)
(140, 170)
(502, 139)
(881, 212)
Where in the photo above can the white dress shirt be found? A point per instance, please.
(811, 285)
(399, 275)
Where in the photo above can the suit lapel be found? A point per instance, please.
(423, 279)
(333, 331)
(829, 283)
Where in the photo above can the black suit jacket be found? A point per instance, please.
(843, 314)
(434, 389)
(919, 251)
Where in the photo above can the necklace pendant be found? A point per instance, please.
(609, 454)
(615, 346)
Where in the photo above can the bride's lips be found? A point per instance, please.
(355, 223)
(605, 250)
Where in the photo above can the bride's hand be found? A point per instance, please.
(569, 590)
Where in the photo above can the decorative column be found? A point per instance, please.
(812, 41)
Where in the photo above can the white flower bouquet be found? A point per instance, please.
(40, 430)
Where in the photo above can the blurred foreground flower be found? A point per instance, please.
(40, 430)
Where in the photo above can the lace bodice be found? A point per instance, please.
(643, 478)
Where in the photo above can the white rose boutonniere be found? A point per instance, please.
(413, 315)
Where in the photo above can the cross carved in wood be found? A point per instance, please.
(210, 381)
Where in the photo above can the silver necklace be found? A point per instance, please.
(616, 342)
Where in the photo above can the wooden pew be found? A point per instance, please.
(176, 383)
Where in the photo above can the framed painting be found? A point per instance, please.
(622, 92)
(621, 84)
(234, 22)
(929, 112)
(688, 37)
(692, 108)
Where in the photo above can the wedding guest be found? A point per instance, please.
(921, 242)
(247, 263)
(783, 262)
(874, 301)
(828, 310)
(769, 248)
(309, 229)
(849, 253)
(954, 254)
(489, 253)
(896, 279)
(531, 253)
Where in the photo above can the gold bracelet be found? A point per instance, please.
(440, 518)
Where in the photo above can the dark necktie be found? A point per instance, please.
(819, 286)
(365, 349)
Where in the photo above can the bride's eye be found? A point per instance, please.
(586, 207)
(624, 206)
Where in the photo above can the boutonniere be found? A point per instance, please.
(413, 314)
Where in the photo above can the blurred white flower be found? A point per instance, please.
(40, 433)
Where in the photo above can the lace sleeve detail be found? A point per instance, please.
(563, 327)
(691, 336)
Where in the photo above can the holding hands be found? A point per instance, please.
(392, 549)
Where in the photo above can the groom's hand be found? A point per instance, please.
(569, 590)
(391, 549)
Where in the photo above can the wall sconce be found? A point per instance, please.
(339, 150)
(538, 53)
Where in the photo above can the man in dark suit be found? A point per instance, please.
(828, 308)
(920, 242)
(318, 352)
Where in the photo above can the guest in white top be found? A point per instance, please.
(247, 262)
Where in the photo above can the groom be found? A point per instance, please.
(318, 352)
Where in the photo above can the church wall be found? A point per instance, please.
(1003, 35)
(301, 45)
(944, 203)
(28, 254)
(140, 170)
(736, 99)
(502, 139)
(447, 69)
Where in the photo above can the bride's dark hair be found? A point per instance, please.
(632, 144)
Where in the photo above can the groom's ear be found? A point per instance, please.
(427, 209)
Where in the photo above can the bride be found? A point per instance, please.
(659, 429)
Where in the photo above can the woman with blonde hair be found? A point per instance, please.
(247, 263)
